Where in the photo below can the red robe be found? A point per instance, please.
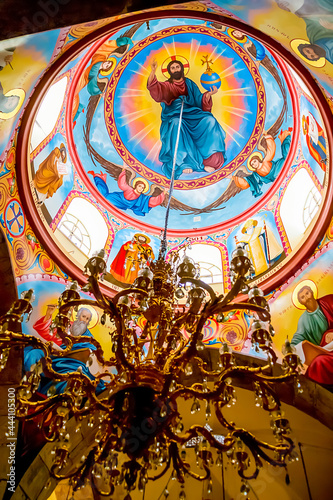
(42, 327)
(321, 368)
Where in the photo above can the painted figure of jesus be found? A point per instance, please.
(201, 145)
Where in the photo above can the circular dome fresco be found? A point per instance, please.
(201, 95)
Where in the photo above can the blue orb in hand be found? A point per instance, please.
(209, 80)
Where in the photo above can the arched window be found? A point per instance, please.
(89, 237)
(311, 206)
(75, 231)
(48, 112)
(209, 259)
(299, 205)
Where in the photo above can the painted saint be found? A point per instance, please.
(261, 244)
(201, 146)
(128, 197)
(130, 258)
(314, 336)
(315, 139)
(49, 176)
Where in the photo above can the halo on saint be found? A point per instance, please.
(294, 44)
(182, 59)
(299, 287)
(20, 94)
(107, 72)
(144, 181)
(241, 39)
(144, 235)
(94, 315)
(255, 153)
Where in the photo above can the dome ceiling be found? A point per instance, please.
(252, 149)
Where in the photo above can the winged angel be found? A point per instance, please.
(135, 193)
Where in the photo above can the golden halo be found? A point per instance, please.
(144, 235)
(255, 153)
(294, 45)
(94, 315)
(240, 40)
(182, 59)
(298, 287)
(145, 182)
(19, 93)
(249, 223)
(113, 60)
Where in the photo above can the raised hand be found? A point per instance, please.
(153, 65)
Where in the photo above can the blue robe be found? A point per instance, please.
(61, 365)
(201, 135)
(256, 181)
(140, 206)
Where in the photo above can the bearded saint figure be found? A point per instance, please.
(50, 173)
(201, 146)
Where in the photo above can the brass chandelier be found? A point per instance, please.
(143, 389)
(136, 430)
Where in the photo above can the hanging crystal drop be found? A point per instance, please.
(208, 411)
(195, 406)
(123, 378)
(173, 385)
(163, 411)
(219, 460)
(244, 489)
(188, 369)
(182, 495)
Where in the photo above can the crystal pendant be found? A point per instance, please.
(182, 495)
(188, 369)
(195, 406)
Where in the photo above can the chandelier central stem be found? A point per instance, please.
(164, 240)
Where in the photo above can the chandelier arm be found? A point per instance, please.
(251, 441)
(219, 308)
(200, 284)
(257, 372)
(23, 340)
(56, 376)
(128, 291)
(168, 362)
(236, 288)
(201, 363)
(106, 374)
(190, 351)
(255, 446)
(84, 468)
(40, 406)
(121, 361)
(96, 291)
(98, 404)
(195, 475)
